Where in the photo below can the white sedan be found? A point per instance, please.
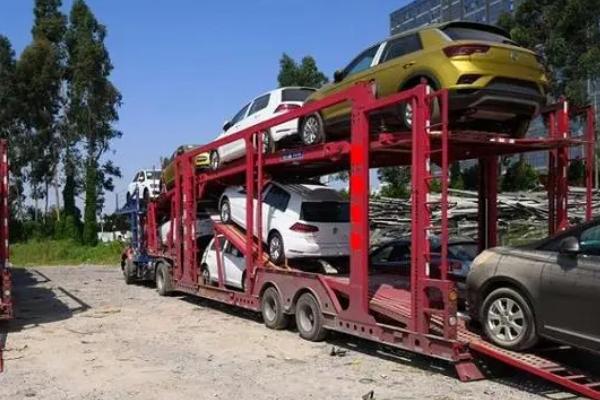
(261, 109)
(233, 261)
(299, 220)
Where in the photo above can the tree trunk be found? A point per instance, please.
(90, 225)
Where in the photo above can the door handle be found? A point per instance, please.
(408, 65)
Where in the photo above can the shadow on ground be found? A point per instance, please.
(37, 302)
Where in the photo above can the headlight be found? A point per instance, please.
(7, 293)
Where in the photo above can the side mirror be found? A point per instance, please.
(338, 76)
(569, 246)
(227, 125)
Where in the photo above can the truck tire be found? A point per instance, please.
(508, 320)
(164, 283)
(129, 271)
(309, 319)
(272, 310)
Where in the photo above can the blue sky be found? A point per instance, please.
(185, 66)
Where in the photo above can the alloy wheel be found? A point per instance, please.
(311, 130)
(506, 320)
(275, 248)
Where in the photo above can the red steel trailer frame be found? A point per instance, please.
(419, 315)
(6, 304)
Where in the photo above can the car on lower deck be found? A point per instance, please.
(395, 257)
(494, 84)
(546, 290)
(299, 220)
(262, 108)
(232, 260)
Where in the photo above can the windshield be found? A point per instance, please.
(153, 174)
(462, 33)
(463, 251)
(325, 211)
(296, 94)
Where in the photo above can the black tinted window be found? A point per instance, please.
(240, 115)
(401, 46)
(295, 94)
(590, 241)
(462, 33)
(259, 104)
(277, 198)
(325, 211)
(362, 62)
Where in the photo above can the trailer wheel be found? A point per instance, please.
(163, 280)
(508, 320)
(272, 310)
(309, 319)
(129, 271)
(312, 130)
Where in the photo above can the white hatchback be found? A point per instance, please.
(299, 220)
(232, 259)
(261, 109)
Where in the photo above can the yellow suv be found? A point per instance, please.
(202, 161)
(494, 84)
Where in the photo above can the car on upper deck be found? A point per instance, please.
(494, 84)
(201, 161)
(146, 183)
(260, 109)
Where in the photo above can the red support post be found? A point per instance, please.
(551, 184)
(562, 187)
(590, 160)
(420, 221)
(359, 206)
(259, 188)
(250, 199)
(488, 202)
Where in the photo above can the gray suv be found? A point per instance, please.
(549, 289)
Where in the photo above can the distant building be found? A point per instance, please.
(424, 12)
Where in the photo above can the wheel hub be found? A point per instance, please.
(506, 320)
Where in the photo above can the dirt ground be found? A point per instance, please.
(81, 333)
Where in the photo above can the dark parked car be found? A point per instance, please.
(394, 257)
(549, 289)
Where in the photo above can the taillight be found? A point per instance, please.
(304, 228)
(455, 266)
(465, 50)
(286, 107)
(468, 79)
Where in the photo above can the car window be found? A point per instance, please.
(259, 104)
(325, 211)
(135, 178)
(401, 46)
(382, 255)
(463, 251)
(401, 253)
(153, 174)
(240, 115)
(590, 241)
(362, 62)
(277, 198)
(296, 94)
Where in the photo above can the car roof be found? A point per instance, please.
(442, 25)
(281, 89)
(312, 191)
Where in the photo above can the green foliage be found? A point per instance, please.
(520, 176)
(64, 252)
(456, 176)
(567, 35)
(306, 74)
(92, 106)
(576, 172)
(395, 182)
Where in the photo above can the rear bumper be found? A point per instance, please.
(496, 104)
(305, 250)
